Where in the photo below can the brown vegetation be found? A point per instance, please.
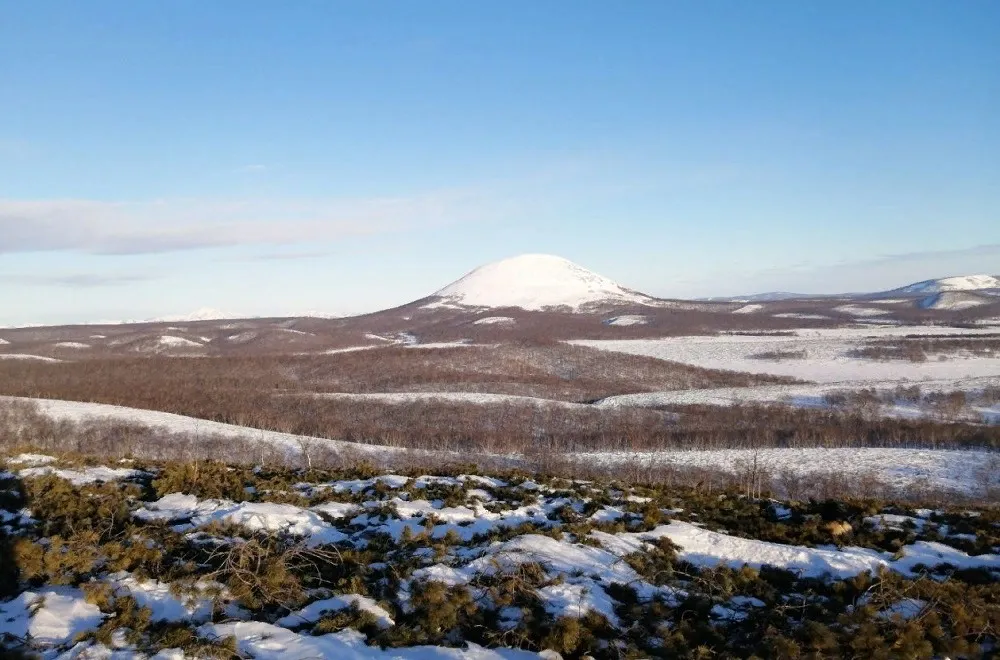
(922, 348)
(557, 371)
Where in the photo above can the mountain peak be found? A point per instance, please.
(536, 282)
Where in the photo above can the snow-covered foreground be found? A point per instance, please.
(964, 471)
(826, 355)
(514, 555)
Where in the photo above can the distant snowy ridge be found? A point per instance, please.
(203, 314)
(536, 282)
(981, 283)
(958, 283)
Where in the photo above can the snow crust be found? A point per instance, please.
(536, 282)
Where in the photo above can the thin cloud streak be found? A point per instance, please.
(876, 274)
(124, 228)
(75, 281)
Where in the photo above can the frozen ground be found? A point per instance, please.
(945, 469)
(826, 360)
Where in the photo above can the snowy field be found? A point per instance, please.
(813, 396)
(80, 411)
(963, 471)
(826, 357)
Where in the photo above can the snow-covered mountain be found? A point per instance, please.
(203, 314)
(536, 282)
(959, 283)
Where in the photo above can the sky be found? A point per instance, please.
(267, 158)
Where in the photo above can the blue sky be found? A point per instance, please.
(277, 158)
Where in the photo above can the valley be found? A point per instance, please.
(532, 462)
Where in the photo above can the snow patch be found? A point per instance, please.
(314, 611)
(953, 301)
(84, 476)
(706, 548)
(495, 320)
(50, 617)
(171, 341)
(804, 317)
(627, 320)
(860, 310)
(31, 459)
(254, 516)
(264, 641)
(26, 356)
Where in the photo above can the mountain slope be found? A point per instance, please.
(535, 282)
(954, 300)
(959, 283)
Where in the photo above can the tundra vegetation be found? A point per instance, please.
(205, 557)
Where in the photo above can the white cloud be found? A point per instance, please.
(102, 227)
(76, 280)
